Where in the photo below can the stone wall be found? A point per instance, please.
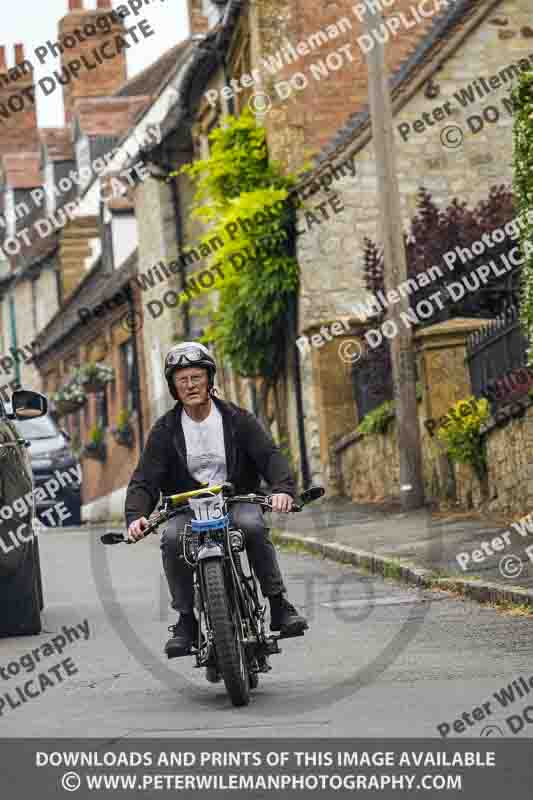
(510, 469)
(370, 469)
(369, 465)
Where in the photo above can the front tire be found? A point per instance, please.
(229, 650)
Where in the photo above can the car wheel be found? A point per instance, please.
(20, 600)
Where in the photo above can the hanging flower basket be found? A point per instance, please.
(94, 376)
(64, 407)
(68, 399)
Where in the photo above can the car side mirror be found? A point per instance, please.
(26, 404)
(66, 434)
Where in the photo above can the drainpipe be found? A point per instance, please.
(179, 243)
(293, 329)
(13, 327)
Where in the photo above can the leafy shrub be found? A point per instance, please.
(523, 182)
(377, 421)
(462, 434)
(238, 186)
(434, 232)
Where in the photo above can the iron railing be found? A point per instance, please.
(494, 353)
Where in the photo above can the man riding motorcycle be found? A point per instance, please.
(203, 440)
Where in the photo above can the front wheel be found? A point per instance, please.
(228, 647)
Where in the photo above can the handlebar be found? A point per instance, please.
(172, 508)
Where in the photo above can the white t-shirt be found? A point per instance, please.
(204, 441)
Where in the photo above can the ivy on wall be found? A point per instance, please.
(523, 184)
(242, 197)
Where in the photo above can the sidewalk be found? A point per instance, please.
(419, 547)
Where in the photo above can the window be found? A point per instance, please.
(130, 378)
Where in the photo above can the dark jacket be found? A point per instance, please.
(250, 454)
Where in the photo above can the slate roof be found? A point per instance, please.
(152, 79)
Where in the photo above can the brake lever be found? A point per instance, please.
(118, 538)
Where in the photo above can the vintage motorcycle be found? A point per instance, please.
(235, 646)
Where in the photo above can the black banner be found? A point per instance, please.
(213, 768)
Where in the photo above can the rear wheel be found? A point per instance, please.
(230, 653)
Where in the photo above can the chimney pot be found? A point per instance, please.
(3, 65)
(75, 5)
(19, 53)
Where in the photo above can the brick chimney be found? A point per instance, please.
(98, 77)
(19, 128)
(198, 22)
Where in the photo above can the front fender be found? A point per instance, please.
(210, 551)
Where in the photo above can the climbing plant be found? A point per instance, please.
(523, 185)
(243, 197)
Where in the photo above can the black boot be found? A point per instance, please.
(184, 636)
(284, 617)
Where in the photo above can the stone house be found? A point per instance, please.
(455, 83)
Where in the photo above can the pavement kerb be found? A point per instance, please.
(404, 572)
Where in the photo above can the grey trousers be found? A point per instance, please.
(261, 554)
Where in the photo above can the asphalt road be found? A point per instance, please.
(379, 660)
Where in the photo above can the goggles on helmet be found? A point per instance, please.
(186, 357)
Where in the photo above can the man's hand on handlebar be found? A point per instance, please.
(137, 528)
(282, 502)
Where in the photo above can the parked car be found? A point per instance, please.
(21, 594)
(50, 453)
